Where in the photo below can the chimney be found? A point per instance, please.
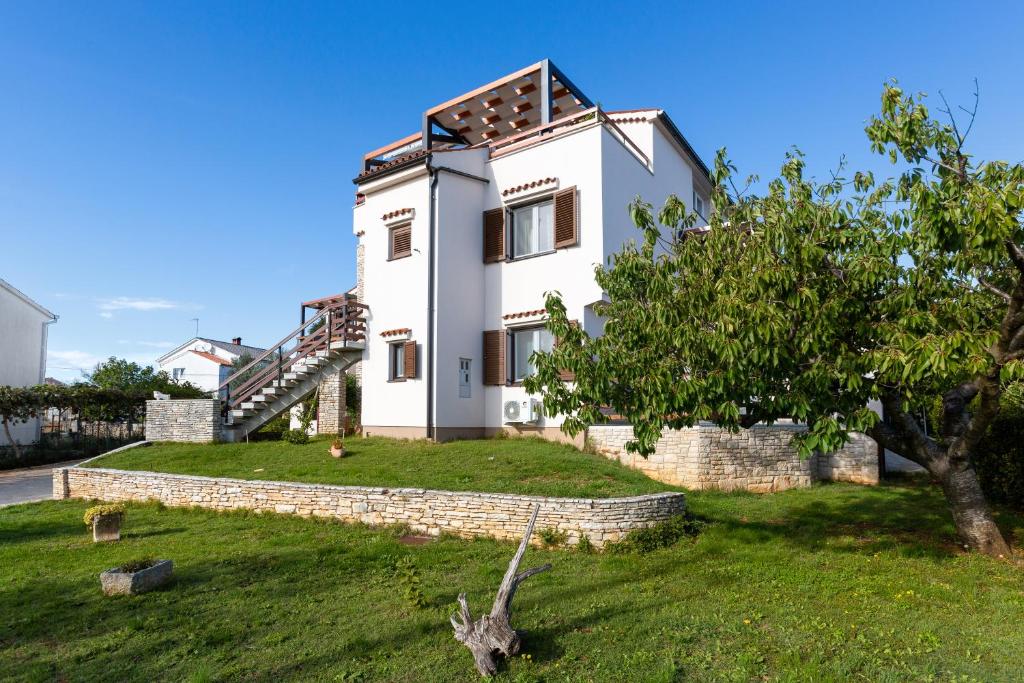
(237, 340)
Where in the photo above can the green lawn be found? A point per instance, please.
(523, 466)
(833, 583)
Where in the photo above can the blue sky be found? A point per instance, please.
(166, 161)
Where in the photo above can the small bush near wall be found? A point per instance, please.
(999, 459)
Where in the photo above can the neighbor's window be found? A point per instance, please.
(177, 373)
(396, 361)
(533, 229)
(400, 241)
(524, 343)
(698, 205)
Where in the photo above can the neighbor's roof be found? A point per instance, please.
(210, 356)
(236, 349)
(21, 295)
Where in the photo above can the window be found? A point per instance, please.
(532, 230)
(524, 343)
(464, 374)
(400, 241)
(177, 373)
(396, 362)
(698, 204)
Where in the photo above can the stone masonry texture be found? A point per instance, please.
(194, 420)
(331, 404)
(760, 459)
(466, 514)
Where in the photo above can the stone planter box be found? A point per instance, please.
(116, 582)
(106, 528)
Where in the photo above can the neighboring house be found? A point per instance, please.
(515, 189)
(204, 362)
(24, 326)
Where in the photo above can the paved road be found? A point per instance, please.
(29, 484)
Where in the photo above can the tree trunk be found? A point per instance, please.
(492, 634)
(13, 442)
(971, 513)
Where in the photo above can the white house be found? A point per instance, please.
(24, 325)
(204, 362)
(509, 191)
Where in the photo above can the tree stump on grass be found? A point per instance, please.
(492, 635)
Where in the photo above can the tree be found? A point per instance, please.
(813, 299)
(130, 377)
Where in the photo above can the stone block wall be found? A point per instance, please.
(194, 420)
(330, 418)
(760, 459)
(429, 512)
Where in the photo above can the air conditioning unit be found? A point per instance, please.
(528, 410)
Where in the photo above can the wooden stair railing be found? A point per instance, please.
(342, 322)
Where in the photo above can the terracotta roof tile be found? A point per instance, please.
(393, 162)
(524, 314)
(210, 356)
(528, 186)
(395, 332)
(395, 214)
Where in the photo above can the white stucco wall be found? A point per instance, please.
(472, 296)
(203, 372)
(396, 292)
(23, 336)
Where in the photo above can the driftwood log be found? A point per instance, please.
(492, 635)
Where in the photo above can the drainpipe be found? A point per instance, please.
(434, 173)
(431, 309)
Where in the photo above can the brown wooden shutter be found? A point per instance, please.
(566, 221)
(564, 374)
(401, 241)
(494, 357)
(494, 235)
(409, 349)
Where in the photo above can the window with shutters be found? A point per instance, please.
(396, 362)
(523, 343)
(532, 229)
(400, 241)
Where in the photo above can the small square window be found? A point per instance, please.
(177, 373)
(524, 342)
(396, 362)
(698, 205)
(532, 229)
(400, 241)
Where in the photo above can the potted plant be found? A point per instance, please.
(338, 446)
(105, 521)
(136, 577)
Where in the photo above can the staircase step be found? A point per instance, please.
(253, 406)
(261, 398)
(272, 391)
(242, 413)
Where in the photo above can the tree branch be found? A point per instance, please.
(1016, 254)
(995, 290)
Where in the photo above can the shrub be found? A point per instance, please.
(103, 510)
(296, 436)
(409, 577)
(661, 535)
(584, 545)
(137, 565)
(999, 458)
(274, 429)
(552, 538)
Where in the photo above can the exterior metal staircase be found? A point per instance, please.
(329, 342)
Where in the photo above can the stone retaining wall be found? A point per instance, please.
(465, 514)
(195, 420)
(760, 459)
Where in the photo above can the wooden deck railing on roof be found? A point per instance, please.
(560, 126)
